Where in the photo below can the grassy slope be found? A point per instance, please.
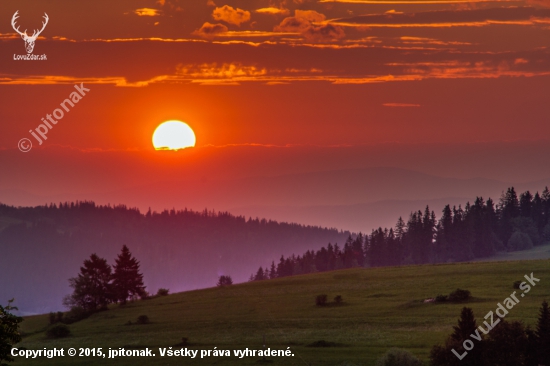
(383, 309)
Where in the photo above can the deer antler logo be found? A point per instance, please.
(29, 41)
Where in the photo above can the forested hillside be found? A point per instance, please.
(478, 230)
(42, 247)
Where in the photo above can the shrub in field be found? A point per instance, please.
(338, 300)
(225, 281)
(58, 331)
(441, 298)
(459, 295)
(75, 314)
(52, 318)
(321, 300)
(322, 343)
(142, 319)
(163, 292)
(398, 357)
(56, 318)
(517, 284)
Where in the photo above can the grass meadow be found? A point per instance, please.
(382, 308)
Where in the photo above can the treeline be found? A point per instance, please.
(178, 249)
(478, 230)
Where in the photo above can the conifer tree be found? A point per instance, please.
(127, 280)
(259, 275)
(92, 287)
(444, 355)
(272, 271)
(543, 334)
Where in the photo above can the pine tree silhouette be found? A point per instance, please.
(127, 281)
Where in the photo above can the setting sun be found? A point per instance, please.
(173, 135)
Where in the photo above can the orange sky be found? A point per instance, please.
(316, 76)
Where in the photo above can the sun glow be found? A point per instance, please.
(173, 135)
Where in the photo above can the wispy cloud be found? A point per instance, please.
(273, 11)
(147, 12)
(420, 2)
(451, 18)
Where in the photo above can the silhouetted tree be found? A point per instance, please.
(92, 287)
(444, 356)
(9, 332)
(543, 334)
(507, 345)
(508, 209)
(273, 270)
(127, 280)
(260, 275)
(224, 281)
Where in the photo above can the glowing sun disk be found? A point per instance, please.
(173, 135)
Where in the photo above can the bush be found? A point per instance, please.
(322, 343)
(338, 300)
(52, 318)
(142, 319)
(321, 300)
(459, 295)
(441, 298)
(75, 314)
(398, 357)
(58, 331)
(517, 284)
(224, 281)
(163, 292)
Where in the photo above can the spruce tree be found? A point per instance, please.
(543, 334)
(273, 271)
(127, 280)
(444, 355)
(259, 275)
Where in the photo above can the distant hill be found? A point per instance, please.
(348, 199)
(42, 247)
(382, 308)
(362, 217)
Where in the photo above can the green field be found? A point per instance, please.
(383, 308)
